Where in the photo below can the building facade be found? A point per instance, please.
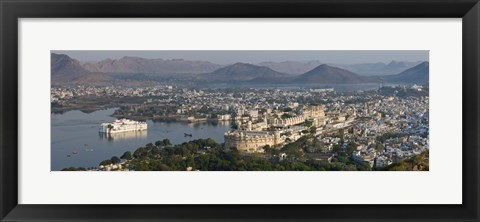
(252, 141)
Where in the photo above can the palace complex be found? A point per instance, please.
(271, 129)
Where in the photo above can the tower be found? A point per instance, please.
(276, 138)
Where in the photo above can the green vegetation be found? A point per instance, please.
(115, 160)
(74, 169)
(308, 123)
(105, 163)
(343, 158)
(387, 136)
(416, 163)
(126, 156)
(207, 155)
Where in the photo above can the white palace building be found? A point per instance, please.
(122, 125)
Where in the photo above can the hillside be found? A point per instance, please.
(243, 72)
(129, 64)
(417, 163)
(418, 74)
(65, 69)
(326, 74)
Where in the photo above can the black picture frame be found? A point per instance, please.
(11, 11)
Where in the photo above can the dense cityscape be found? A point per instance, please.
(276, 128)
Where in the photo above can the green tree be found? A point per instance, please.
(115, 160)
(159, 143)
(140, 153)
(126, 156)
(166, 142)
(105, 163)
(142, 166)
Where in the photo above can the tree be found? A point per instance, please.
(126, 156)
(167, 142)
(115, 160)
(140, 153)
(350, 148)
(308, 123)
(271, 150)
(142, 166)
(105, 163)
(159, 143)
(287, 109)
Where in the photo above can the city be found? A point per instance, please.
(373, 129)
(251, 110)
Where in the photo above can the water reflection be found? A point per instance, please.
(123, 135)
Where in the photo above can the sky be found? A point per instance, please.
(224, 57)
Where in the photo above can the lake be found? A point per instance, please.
(76, 142)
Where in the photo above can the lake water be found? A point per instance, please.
(75, 140)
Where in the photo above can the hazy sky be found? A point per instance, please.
(233, 56)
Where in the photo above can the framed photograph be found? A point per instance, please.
(226, 110)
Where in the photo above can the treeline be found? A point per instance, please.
(207, 155)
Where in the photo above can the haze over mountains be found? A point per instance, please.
(326, 74)
(65, 69)
(366, 69)
(291, 67)
(153, 66)
(243, 72)
(418, 74)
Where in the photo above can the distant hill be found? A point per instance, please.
(291, 67)
(364, 69)
(378, 69)
(326, 74)
(418, 74)
(65, 69)
(129, 64)
(243, 72)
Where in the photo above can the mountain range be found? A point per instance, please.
(365, 69)
(248, 73)
(65, 69)
(129, 64)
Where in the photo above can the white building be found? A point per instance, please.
(123, 125)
